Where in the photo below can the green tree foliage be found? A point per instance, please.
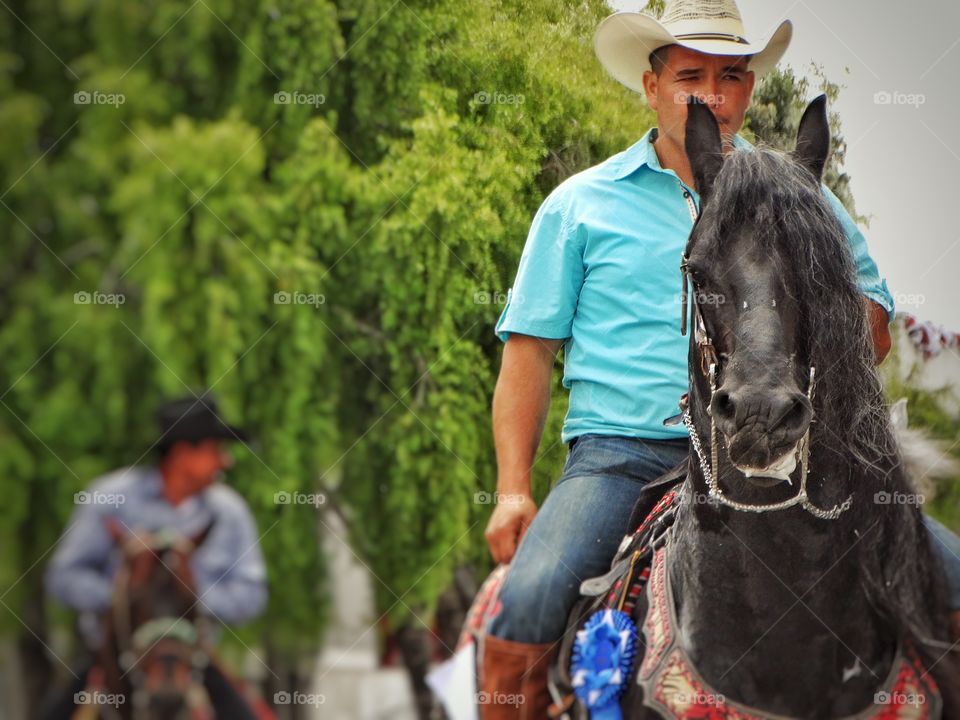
(150, 223)
(495, 124)
(655, 7)
(183, 165)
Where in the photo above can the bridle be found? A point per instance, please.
(709, 365)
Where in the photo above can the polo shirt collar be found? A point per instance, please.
(643, 153)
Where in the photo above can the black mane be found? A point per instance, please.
(770, 192)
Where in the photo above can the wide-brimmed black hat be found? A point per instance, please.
(194, 419)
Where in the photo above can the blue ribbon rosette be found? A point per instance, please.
(601, 660)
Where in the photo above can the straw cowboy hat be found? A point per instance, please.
(624, 40)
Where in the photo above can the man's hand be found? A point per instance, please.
(507, 525)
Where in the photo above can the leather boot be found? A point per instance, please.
(513, 679)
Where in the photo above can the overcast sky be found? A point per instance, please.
(903, 155)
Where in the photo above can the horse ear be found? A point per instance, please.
(813, 138)
(702, 143)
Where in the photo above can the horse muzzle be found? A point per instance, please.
(762, 429)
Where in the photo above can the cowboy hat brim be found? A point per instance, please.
(623, 43)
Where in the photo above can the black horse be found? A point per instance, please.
(786, 583)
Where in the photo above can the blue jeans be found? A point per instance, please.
(947, 545)
(577, 530)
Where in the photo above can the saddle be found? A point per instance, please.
(620, 589)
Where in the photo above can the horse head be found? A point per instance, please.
(753, 260)
(154, 653)
(782, 380)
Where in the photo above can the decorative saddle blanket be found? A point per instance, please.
(673, 687)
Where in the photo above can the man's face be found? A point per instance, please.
(199, 463)
(722, 82)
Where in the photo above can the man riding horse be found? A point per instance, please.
(179, 499)
(599, 277)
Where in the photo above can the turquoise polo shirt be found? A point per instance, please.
(601, 270)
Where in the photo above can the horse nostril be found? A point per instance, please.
(723, 405)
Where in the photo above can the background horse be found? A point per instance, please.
(797, 580)
(152, 656)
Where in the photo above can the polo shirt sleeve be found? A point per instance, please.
(868, 276)
(543, 299)
(78, 574)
